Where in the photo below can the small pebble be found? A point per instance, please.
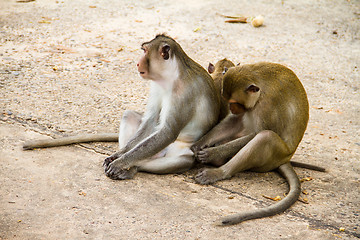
(257, 21)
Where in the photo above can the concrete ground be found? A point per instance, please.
(69, 67)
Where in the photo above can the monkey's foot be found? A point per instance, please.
(121, 174)
(209, 176)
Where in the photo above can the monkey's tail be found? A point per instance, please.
(101, 137)
(308, 166)
(287, 171)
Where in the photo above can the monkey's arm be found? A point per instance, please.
(146, 128)
(225, 130)
(218, 155)
(119, 168)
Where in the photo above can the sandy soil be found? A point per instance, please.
(69, 67)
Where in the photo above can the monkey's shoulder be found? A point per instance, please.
(267, 69)
(265, 75)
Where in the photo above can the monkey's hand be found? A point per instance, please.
(198, 146)
(211, 156)
(119, 170)
(113, 157)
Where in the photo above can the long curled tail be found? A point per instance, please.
(287, 171)
(102, 137)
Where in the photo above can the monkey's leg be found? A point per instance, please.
(178, 158)
(265, 152)
(162, 165)
(129, 124)
(167, 165)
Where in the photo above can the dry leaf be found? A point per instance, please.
(277, 198)
(44, 21)
(334, 110)
(227, 16)
(237, 20)
(303, 200)
(306, 179)
(305, 192)
(82, 193)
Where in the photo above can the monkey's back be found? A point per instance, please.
(282, 106)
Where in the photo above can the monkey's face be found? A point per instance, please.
(143, 64)
(236, 108)
(239, 91)
(155, 60)
(223, 65)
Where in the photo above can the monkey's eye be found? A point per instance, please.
(142, 48)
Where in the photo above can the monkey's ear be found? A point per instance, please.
(252, 88)
(225, 70)
(165, 52)
(211, 68)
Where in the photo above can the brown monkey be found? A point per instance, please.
(269, 116)
(160, 140)
(217, 72)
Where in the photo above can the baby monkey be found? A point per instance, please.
(217, 72)
(269, 114)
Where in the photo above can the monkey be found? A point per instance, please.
(159, 140)
(217, 71)
(269, 115)
(181, 92)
